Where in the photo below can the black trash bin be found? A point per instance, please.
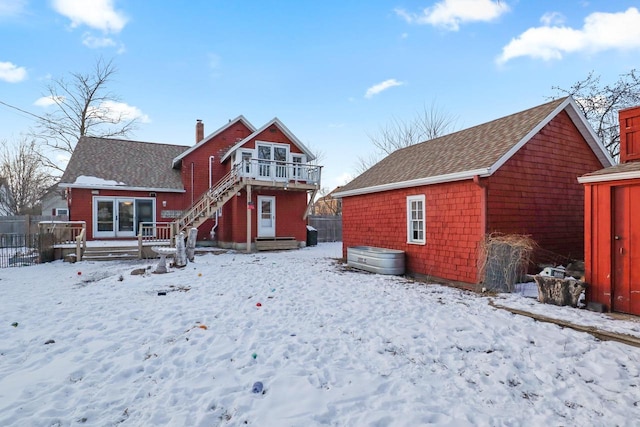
(312, 236)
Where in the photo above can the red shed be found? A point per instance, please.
(437, 200)
(612, 224)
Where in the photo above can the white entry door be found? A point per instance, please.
(266, 216)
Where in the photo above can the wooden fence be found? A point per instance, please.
(329, 227)
(25, 224)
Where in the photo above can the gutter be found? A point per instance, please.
(609, 177)
(118, 187)
(438, 179)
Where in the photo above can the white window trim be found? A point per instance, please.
(410, 240)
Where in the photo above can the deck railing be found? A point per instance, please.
(272, 170)
(152, 233)
(65, 232)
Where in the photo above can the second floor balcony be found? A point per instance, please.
(280, 172)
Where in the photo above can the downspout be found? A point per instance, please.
(483, 203)
(211, 170)
(212, 233)
(192, 181)
(483, 210)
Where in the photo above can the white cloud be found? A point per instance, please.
(449, 14)
(377, 88)
(601, 31)
(47, 101)
(98, 14)
(12, 7)
(552, 18)
(97, 42)
(11, 73)
(117, 111)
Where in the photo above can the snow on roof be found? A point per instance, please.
(95, 181)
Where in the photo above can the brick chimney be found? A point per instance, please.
(629, 134)
(199, 130)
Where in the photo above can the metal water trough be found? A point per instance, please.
(376, 260)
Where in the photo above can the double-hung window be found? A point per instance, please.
(416, 220)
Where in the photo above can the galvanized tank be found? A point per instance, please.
(376, 260)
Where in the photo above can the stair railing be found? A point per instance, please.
(208, 199)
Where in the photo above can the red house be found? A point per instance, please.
(237, 185)
(612, 224)
(437, 200)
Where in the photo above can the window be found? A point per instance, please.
(246, 161)
(297, 166)
(61, 211)
(416, 220)
(272, 159)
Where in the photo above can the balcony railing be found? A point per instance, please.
(272, 170)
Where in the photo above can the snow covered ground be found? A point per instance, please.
(331, 347)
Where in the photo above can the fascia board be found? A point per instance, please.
(458, 176)
(218, 131)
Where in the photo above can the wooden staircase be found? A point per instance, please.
(212, 200)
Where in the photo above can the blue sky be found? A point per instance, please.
(332, 71)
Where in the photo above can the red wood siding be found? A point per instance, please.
(453, 227)
(598, 232)
(629, 134)
(217, 147)
(81, 204)
(536, 191)
(290, 207)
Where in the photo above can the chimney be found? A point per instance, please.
(629, 134)
(199, 130)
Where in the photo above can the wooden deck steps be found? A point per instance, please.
(111, 253)
(275, 243)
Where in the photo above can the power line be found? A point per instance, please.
(22, 111)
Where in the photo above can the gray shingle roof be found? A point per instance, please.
(621, 168)
(475, 148)
(129, 163)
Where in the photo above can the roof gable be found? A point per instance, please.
(109, 163)
(239, 119)
(479, 150)
(275, 121)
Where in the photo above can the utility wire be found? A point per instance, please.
(23, 111)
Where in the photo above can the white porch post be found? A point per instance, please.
(249, 218)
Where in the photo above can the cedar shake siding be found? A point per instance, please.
(453, 228)
(536, 192)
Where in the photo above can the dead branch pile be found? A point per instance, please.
(504, 259)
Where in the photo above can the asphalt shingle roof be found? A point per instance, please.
(470, 149)
(621, 168)
(131, 163)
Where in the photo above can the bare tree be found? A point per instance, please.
(25, 178)
(431, 123)
(83, 106)
(326, 204)
(600, 104)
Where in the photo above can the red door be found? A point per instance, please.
(626, 249)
